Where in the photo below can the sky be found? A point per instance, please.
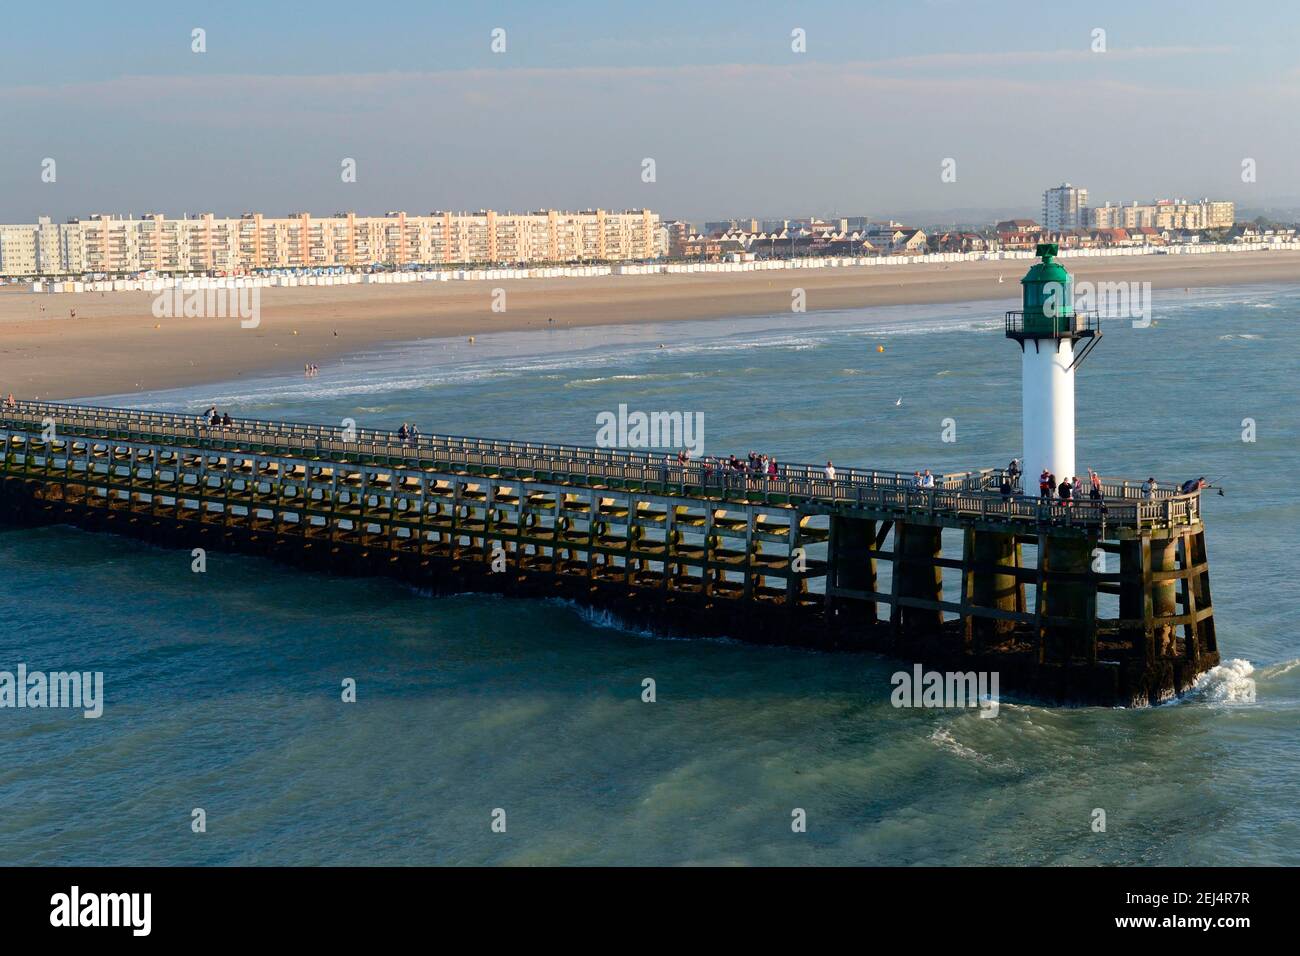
(736, 121)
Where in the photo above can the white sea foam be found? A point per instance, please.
(647, 377)
(944, 740)
(1228, 683)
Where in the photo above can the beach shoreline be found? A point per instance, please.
(115, 344)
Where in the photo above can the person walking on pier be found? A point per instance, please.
(1094, 479)
(226, 420)
(402, 433)
(9, 402)
(1076, 489)
(1149, 489)
(1045, 484)
(830, 472)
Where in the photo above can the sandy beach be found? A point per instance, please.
(114, 344)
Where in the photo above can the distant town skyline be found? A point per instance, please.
(735, 119)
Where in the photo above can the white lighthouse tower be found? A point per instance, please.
(1050, 334)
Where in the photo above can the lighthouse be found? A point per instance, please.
(1053, 340)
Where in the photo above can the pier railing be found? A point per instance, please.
(973, 494)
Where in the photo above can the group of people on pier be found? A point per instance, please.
(1066, 491)
(213, 419)
(1069, 490)
(751, 469)
(922, 480)
(408, 433)
(755, 468)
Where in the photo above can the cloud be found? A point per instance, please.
(137, 87)
(1010, 58)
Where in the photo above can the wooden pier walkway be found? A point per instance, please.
(857, 562)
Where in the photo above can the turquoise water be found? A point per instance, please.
(223, 689)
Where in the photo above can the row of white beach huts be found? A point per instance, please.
(734, 264)
(831, 262)
(159, 283)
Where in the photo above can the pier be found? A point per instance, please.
(1095, 602)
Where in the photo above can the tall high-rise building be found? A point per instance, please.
(1065, 207)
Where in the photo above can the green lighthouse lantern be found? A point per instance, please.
(1047, 295)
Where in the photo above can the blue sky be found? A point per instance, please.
(736, 122)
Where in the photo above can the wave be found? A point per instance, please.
(944, 740)
(942, 737)
(605, 619)
(1277, 670)
(1228, 683)
(647, 377)
(796, 343)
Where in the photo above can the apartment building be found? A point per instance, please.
(33, 248)
(202, 243)
(1164, 214)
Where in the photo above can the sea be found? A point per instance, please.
(490, 731)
